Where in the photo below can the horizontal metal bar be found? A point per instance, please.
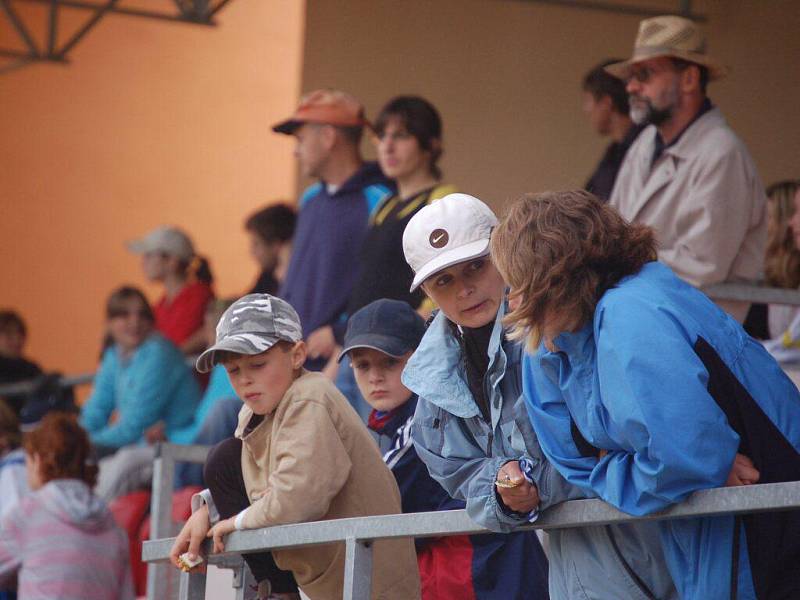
(730, 500)
(17, 54)
(752, 293)
(131, 12)
(192, 453)
(623, 9)
(26, 387)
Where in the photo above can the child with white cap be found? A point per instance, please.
(169, 258)
(471, 428)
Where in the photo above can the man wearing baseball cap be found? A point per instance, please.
(471, 430)
(333, 213)
(688, 176)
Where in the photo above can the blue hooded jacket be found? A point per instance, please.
(153, 384)
(672, 388)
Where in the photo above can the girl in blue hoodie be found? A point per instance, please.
(641, 391)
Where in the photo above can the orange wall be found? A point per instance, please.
(151, 123)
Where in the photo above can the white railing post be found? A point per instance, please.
(192, 586)
(160, 577)
(357, 569)
(242, 580)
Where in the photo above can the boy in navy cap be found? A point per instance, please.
(380, 339)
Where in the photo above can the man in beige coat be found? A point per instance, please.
(300, 453)
(688, 175)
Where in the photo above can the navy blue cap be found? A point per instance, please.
(389, 326)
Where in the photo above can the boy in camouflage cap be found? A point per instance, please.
(300, 453)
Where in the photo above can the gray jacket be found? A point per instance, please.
(463, 453)
(705, 201)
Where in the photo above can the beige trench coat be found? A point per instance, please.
(313, 459)
(705, 201)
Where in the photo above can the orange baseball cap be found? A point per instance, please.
(331, 107)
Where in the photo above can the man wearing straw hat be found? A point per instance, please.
(688, 175)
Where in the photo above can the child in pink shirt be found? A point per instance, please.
(60, 541)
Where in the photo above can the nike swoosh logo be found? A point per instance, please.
(439, 237)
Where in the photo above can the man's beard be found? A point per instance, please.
(642, 111)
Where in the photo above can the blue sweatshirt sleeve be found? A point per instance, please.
(98, 408)
(146, 400)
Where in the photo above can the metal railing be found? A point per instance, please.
(358, 534)
(30, 385)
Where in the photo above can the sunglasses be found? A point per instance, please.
(643, 73)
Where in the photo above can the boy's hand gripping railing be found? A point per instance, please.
(358, 534)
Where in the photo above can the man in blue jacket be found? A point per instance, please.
(333, 213)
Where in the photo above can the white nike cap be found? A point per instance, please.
(454, 229)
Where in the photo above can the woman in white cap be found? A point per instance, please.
(168, 257)
(471, 430)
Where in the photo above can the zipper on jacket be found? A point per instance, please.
(631, 573)
(489, 445)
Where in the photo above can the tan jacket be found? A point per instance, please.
(311, 460)
(705, 201)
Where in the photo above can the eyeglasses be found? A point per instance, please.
(643, 73)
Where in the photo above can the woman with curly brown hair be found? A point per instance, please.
(641, 390)
(60, 541)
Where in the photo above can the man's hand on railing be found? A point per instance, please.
(743, 472)
(219, 531)
(191, 536)
(521, 496)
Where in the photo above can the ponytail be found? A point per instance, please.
(201, 269)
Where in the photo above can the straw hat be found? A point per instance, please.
(669, 36)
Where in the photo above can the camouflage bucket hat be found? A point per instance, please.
(252, 324)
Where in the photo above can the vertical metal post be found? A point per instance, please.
(160, 575)
(243, 581)
(52, 36)
(192, 586)
(357, 569)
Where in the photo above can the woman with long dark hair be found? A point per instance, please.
(142, 379)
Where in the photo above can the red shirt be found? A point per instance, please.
(178, 319)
